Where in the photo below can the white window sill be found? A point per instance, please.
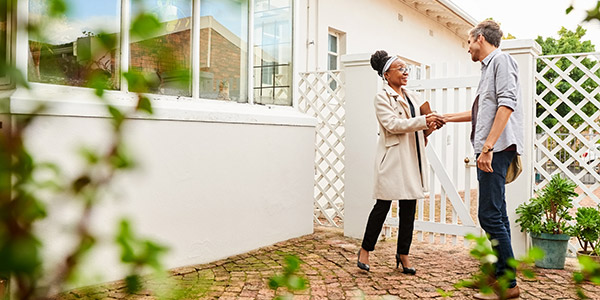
(82, 102)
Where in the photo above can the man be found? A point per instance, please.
(497, 136)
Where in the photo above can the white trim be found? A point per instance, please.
(250, 43)
(81, 102)
(458, 11)
(124, 46)
(22, 37)
(295, 80)
(195, 49)
(570, 55)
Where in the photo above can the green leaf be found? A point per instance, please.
(116, 115)
(578, 277)
(292, 264)
(145, 26)
(57, 8)
(121, 159)
(89, 155)
(528, 273)
(276, 282)
(445, 294)
(536, 253)
(107, 40)
(296, 283)
(569, 9)
(144, 105)
(80, 183)
(99, 80)
(136, 82)
(594, 13)
(133, 283)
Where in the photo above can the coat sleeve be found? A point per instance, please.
(391, 121)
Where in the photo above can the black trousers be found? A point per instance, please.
(406, 213)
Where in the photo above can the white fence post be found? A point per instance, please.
(525, 53)
(361, 137)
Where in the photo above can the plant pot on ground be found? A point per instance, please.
(545, 218)
(587, 231)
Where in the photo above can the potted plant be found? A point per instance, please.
(545, 218)
(587, 231)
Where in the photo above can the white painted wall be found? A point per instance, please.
(208, 190)
(373, 25)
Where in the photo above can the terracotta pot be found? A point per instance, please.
(596, 258)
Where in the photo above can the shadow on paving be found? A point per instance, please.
(329, 265)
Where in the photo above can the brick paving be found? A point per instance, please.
(329, 265)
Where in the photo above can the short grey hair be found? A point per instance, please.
(490, 30)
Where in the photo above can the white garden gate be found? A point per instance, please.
(448, 212)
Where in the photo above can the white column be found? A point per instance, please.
(525, 53)
(361, 137)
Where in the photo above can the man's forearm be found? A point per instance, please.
(500, 121)
(464, 116)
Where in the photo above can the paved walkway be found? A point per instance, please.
(330, 267)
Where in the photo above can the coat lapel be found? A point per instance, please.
(398, 103)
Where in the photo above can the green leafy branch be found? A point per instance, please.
(289, 279)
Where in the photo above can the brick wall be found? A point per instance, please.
(172, 52)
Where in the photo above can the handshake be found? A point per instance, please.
(435, 121)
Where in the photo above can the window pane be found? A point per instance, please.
(224, 49)
(332, 62)
(273, 51)
(165, 59)
(332, 43)
(68, 50)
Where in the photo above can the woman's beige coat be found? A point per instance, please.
(397, 175)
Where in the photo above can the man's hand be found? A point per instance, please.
(484, 161)
(435, 118)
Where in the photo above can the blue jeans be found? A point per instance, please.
(492, 210)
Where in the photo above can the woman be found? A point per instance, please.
(400, 165)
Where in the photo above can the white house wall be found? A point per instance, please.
(207, 190)
(372, 25)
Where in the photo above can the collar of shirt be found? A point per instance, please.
(487, 59)
(388, 89)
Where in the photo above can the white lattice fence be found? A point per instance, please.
(567, 122)
(322, 96)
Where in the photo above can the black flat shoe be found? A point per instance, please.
(411, 271)
(360, 265)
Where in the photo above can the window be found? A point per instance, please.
(223, 50)
(273, 52)
(165, 59)
(332, 57)
(70, 53)
(332, 52)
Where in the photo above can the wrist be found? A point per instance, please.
(487, 149)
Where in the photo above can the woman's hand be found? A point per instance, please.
(436, 120)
